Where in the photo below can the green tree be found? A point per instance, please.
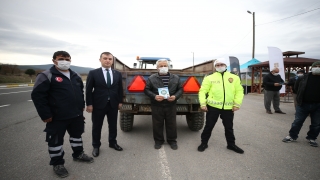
(30, 72)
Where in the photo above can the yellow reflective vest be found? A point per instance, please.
(222, 91)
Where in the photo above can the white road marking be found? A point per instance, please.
(4, 105)
(29, 100)
(15, 92)
(15, 87)
(165, 170)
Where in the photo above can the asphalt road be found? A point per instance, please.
(24, 152)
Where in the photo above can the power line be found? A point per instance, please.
(288, 17)
(269, 23)
(238, 43)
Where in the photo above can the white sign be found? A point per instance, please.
(276, 61)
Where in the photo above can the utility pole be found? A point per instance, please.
(253, 38)
(192, 61)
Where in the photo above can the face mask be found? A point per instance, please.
(221, 69)
(299, 74)
(163, 70)
(63, 65)
(275, 74)
(316, 70)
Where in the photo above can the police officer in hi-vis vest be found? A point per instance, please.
(220, 95)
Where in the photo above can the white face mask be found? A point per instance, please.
(299, 74)
(63, 65)
(275, 74)
(221, 69)
(163, 70)
(316, 70)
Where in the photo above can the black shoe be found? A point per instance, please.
(116, 147)
(280, 112)
(157, 146)
(95, 152)
(235, 149)
(60, 171)
(83, 158)
(174, 146)
(268, 111)
(202, 147)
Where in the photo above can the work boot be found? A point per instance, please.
(60, 171)
(83, 158)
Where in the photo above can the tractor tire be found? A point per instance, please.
(126, 121)
(195, 121)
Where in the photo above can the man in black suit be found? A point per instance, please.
(104, 95)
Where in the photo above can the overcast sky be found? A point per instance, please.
(32, 30)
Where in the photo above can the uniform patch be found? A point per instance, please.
(59, 79)
(230, 80)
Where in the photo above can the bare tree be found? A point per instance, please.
(13, 68)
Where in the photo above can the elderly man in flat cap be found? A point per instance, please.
(308, 103)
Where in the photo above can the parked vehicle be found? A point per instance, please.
(135, 102)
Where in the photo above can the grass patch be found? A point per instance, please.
(23, 78)
(16, 79)
(244, 82)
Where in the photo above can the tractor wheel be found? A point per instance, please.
(195, 121)
(126, 121)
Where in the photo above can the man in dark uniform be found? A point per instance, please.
(58, 97)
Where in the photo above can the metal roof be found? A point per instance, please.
(289, 62)
(292, 53)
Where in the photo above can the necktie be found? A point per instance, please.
(108, 78)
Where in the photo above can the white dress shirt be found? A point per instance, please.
(105, 74)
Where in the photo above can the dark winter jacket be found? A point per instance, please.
(269, 80)
(300, 88)
(60, 97)
(154, 82)
(291, 83)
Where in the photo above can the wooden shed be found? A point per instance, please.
(290, 64)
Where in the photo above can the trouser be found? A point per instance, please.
(294, 96)
(273, 96)
(98, 116)
(211, 119)
(55, 131)
(164, 115)
(302, 113)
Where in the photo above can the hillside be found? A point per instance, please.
(78, 69)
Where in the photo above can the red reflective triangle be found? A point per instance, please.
(137, 84)
(191, 85)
